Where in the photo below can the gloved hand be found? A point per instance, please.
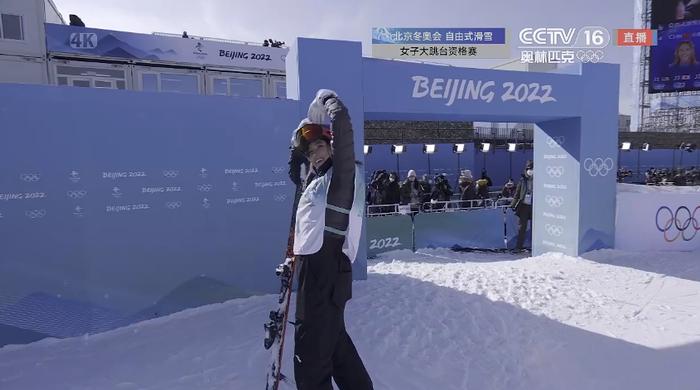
(296, 160)
(334, 106)
(318, 111)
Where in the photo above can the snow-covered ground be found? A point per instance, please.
(431, 320)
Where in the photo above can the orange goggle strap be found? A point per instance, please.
(311, 132)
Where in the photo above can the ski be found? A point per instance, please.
(276, 327)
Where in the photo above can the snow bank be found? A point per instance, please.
(432, 320)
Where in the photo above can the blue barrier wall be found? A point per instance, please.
(480, 228)
(119, 206)
(388, 233)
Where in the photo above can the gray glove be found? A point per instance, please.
(318, 109)
(334, 106)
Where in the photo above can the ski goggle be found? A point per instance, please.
(311, 132)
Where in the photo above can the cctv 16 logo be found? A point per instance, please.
(83, 40)
(586, 37)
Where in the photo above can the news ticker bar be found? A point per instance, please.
(438, 36)
(541, 44)
(441, 51)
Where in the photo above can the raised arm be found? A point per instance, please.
(342, 188)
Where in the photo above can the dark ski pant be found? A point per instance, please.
(323, 349)
(524, 213)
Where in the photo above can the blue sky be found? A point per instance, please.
(352, 20)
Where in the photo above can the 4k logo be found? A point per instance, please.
(83, 40)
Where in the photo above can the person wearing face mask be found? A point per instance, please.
(522, 204)
(326, 240)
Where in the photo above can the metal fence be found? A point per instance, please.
(437, 206)
(500, 133)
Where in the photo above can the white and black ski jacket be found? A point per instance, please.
(332, 203)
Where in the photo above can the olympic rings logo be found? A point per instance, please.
(555, 171)
(35, 214)
(598, 166)
(593, 56)
(30, 177)
(554, 201)
(171, 174)
(554, 230)
(554, 142)
(681, 221)
(173, 205)
(280, 198)
(277, 169)
(204, 187)
(76, 194)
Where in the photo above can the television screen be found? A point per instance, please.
(674, 62)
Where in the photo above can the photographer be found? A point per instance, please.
(442, 192)
(379, 185)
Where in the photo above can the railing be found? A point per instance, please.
(437, 206)
(382, 209)
(457, 205)
(499, 133)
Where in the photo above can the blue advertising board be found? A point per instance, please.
(389, 233)
(478, 228)
(119, 206)
(119, 44)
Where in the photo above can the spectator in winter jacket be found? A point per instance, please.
(442, 192)
(482, 189)
(326, 239)
(486, 177)
(393, 191)
(411, 191)
(508, 189)
(522, 203)
(379, 184)
(467, 189)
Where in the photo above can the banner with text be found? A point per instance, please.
(120, 44)
(443, 43)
